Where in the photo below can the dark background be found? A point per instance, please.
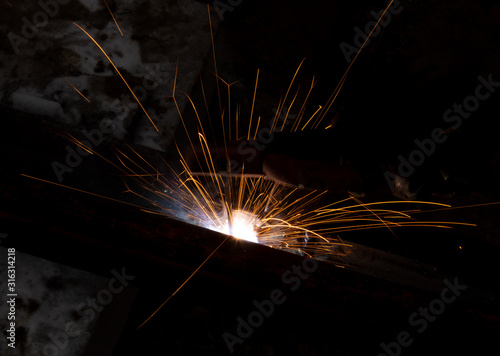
(427, 59)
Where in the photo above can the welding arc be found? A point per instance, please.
(182, 285)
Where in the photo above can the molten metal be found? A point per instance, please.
(243, 226)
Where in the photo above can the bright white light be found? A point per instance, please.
(243, 226)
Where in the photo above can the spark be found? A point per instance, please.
(339, 86)
(252, 207)
(243, 225)
(183, 284)
(78, 91)
(282, 102)
(111, 13)
(253, 104)
(79, 190)
(119, 73)
(259, 210)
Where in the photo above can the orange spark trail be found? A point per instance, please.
(120, 74)
(460, 207)
(253, 104)
(80, 190)
(116, 23)
(344, 77)
(182, 285)
(78, 91)
(282, 103)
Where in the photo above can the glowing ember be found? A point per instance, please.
(243, 226)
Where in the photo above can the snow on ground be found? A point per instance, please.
(38, 65)
(37, 70)
(52, 299)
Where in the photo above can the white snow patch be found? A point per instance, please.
(93, 5)
(56, 305)
(124, 52)
(36, 105)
